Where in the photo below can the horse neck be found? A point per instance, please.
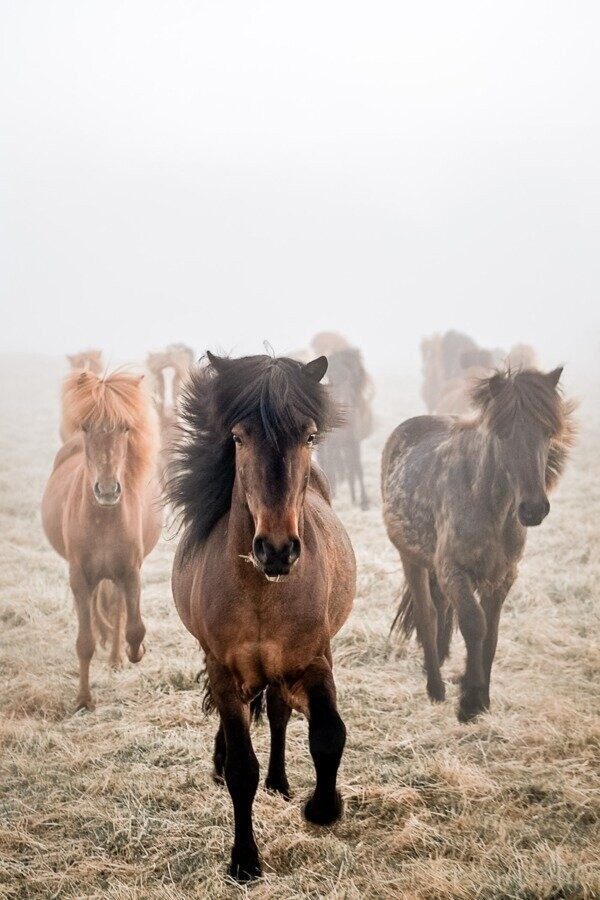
(491, 481)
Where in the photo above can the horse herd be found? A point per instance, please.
(264, 574)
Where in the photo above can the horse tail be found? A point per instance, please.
(404, 618)
(208, 699)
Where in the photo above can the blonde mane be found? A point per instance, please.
(117, 401)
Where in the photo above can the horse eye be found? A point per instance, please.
(311, 439)
(236, 439)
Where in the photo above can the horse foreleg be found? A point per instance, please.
(135, 629)
(492, 602)
(425, 616)
(326, 740)
(279, 713)
(457, 587)
(118, 621)
(85, 643)
(241, 769)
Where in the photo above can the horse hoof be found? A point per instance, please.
(321, 814)
(136, 655)
(84, 702)
(436, 692)
(469, 711)
(278, 786)
(117, 665)
(245, 866)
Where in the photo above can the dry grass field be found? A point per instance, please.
(120, 802)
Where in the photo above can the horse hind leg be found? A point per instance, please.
(426, 622)
(445, 619)
(278, 712)
(135, 630)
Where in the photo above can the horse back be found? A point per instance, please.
(411, 433)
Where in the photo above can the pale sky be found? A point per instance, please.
(225, 173)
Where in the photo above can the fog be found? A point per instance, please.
(228, 173)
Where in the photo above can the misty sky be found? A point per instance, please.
(228, 172)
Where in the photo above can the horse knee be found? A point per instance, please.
(242, 773)
(471, 620)
(85, 645)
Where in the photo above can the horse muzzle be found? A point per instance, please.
(107, 493)
(275, 562)
(532, 514)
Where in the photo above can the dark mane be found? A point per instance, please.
(276, 396)
(505, 397)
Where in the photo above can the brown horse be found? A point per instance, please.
(458, 497)
(340, 452)
(100, 510)
(265, 574)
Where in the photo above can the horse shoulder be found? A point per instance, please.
(72, 447)
(319, 482)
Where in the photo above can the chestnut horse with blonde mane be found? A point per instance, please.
(100, 510)
(265, 573)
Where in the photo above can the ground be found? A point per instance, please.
(120, 803)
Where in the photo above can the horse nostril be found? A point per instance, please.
(259, 548)
(294, 550)
(118, 488)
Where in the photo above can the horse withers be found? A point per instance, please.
(458, 497)
(101, 512)
(264, 575)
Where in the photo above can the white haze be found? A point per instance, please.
(224, 173)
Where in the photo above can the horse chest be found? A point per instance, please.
(260, 643)
(107, 547)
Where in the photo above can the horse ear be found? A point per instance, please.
(219, 363)
(496, 384)
(554, 376)
(316, 368)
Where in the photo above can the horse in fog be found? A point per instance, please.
(340, 452)
(458, 497)
(522, 356)
(100, 510)
(87, 360)
(442, 362)
(175, 360)
(264, 575)
(455, 396)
